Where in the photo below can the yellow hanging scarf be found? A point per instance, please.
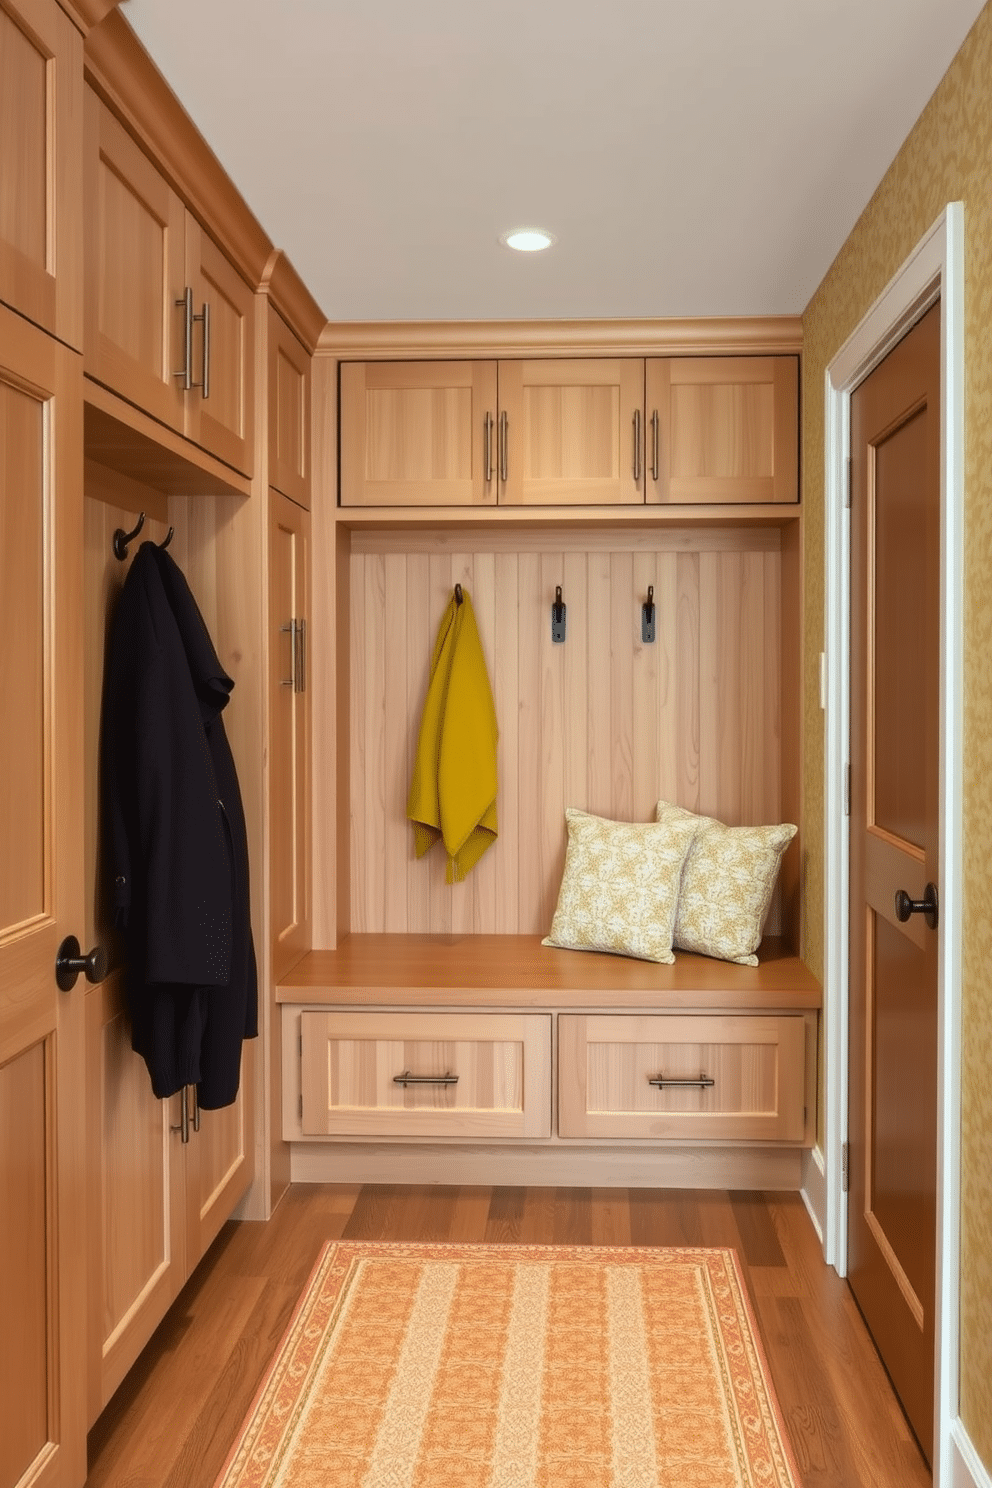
(453, 789)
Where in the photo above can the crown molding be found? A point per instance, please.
(122, 72)
(290, 297)
(87, 13)
(709, 336)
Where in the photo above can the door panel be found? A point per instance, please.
(223, 421)
(895, 624)
(42, 1402)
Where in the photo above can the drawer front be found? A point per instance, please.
(722, 1078)
(426, 1074)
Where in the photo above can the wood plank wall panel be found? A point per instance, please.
(603, 722)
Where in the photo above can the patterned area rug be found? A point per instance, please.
(504, 1366)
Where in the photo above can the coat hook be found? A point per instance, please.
(458, 594)
(168, 538)
(647, 616)
(558, 617)
(122, 538)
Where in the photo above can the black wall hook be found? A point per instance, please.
(458, 594)
(647, 616)
(122, 538)
(558, 617)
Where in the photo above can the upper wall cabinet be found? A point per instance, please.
(169, 321)
(722, 429)
(570, 432)
(289, 412)
(418, 433)
(41, 210)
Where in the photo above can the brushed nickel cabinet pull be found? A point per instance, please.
(186, 370)
(504, 445)
(489, 447)
(291, 681)
(661, 1082)
(637, 446)
(204, 318)
(655, 445)
(407, 1079)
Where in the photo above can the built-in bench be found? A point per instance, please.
(493, 1058)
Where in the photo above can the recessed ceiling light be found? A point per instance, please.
(527, 239)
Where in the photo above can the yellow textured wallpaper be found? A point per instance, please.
(947, 157)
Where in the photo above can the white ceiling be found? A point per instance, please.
(694, 157)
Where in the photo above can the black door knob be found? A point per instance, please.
(927, 906)
(69, 963)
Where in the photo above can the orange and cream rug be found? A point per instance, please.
(516, 1366)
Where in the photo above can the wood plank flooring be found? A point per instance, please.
(173, 1420)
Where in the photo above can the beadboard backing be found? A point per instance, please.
(603, 722)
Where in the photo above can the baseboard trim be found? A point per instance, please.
(814, 1189)
(556, 1166)
(967, 1468)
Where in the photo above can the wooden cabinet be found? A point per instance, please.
(710, 1077)
(289, 732)
(418, 433)
(426, 1074)
(169, 322)
(289, 404)
(570, 431)
(41, 211)
(156, 1201)
(722, 430)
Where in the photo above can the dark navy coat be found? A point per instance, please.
(175, 848)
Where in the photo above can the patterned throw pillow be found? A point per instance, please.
(727, 884)
(620, 886)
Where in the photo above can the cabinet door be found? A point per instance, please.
(418, 433)
(289, 738)
(41, 201)
(135, 246)
(571, 432)
(220, 409)
(136, 1236)
(219, 1164)
(710, 1077)
(42, 1042)
(722, 429)
(289, 412)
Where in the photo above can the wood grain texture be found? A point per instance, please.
(757, 1066)
(174, 1422)
(289, 410)
(41, 190)
(603, 722)
(500, 1061)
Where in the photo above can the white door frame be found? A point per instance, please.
(934, 270)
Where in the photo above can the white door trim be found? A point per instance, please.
(934, 270)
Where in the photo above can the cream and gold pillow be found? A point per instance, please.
(727, 884)
(620, 886)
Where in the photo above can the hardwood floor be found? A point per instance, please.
(176, 1415)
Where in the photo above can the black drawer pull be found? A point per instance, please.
(663, 1082)
(407, 1079)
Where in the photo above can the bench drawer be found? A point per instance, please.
(426, 1074)
(706, 1077)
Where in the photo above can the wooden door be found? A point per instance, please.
(42, 1157)
(895, 681)
(722, 429)
(41, 200)
(134, 270)
(571, 432)
(418, 433)
(220, 408)
(289, 412)
(289, 723)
